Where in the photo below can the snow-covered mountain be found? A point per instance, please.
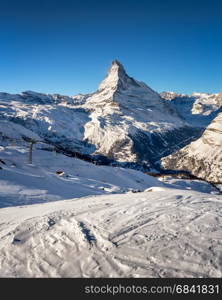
(124, 120)
(198, 109)
(130, 121)
(202, 157)
(206, 103)
(56, 119)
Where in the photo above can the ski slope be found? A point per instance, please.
(161, 232)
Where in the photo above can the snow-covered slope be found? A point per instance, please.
(10, 131)
(203, 157)
(54, 176)
(158, 233)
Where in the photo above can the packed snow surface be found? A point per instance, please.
(158, 233)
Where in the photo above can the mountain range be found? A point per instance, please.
(124, 122)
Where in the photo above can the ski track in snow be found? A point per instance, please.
(170, 233)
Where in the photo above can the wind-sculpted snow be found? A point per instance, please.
(203, 157)
(158, 233)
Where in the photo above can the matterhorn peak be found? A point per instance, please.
(117, 67)
(115, 76)
(116, 62)
(118, 80)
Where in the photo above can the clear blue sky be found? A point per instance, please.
(67, 46)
